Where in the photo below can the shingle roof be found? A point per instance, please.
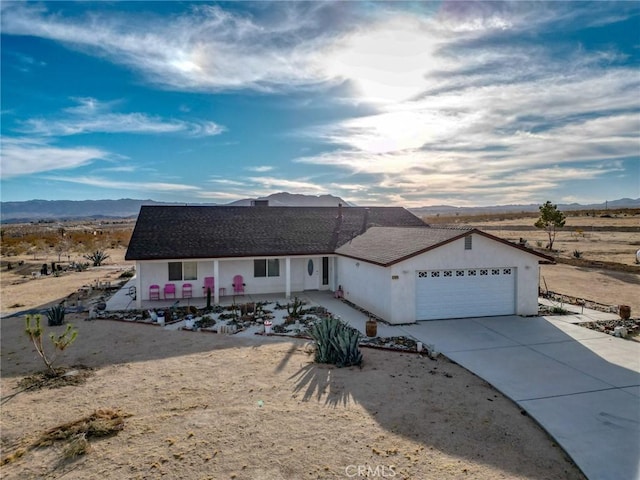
(167, 232)
(389, 245)
(386, 245)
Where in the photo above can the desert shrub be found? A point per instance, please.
(127, 274)
(336, 343)
(295, 309)
(559, 311)
(577, 254)
(97, 257)
(55, 315)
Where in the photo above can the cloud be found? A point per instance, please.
(196, 50)
(23, 156)
(106, 183)
(299, 186)
(93, 116)
(260, 169)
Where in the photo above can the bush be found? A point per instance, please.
(336, 343)
(127, 274)
(577, 254)
(55, 315)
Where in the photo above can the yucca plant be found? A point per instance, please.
(55, 315)
(97, 257)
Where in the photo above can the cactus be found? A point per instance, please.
(295, 309)
(208, 298)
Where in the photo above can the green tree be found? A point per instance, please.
(550, 220)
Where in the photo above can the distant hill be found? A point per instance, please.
(533, 207)
(37, 210)
(284, 199)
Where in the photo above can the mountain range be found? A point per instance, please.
(49, 210)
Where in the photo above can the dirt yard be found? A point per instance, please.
(216, 406)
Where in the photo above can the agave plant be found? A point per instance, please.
(336, 343)
(55, 315)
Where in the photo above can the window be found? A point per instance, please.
(472, 273)
(183, 271)
(266, 267)
(495, 271)
(422, 274)
(484, 272)
(506, 271)
(447, 273)
(459, 273)
(467, 242)
(435, 274)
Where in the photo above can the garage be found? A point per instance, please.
(469, 292)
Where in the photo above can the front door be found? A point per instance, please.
(312, 274)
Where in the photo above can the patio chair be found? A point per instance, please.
(209, 283)
(154, 292)
(170, 290)
(187, 290)
(238, 285)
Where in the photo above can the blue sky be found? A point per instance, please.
(381, 103)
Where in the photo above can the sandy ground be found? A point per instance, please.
(214, 406)
(602, 286)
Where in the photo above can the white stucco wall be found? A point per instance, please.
(367, 285)
(373, 287)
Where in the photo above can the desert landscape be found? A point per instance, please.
(219, 406)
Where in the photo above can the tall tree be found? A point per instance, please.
(550, 220)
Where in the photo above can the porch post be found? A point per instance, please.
(138, 287)
(287, 277)
(216, 288)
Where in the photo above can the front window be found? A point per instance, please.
(266, 267)
(183, 271)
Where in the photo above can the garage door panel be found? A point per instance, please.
(479, 292)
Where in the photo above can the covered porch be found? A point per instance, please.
(229, 277)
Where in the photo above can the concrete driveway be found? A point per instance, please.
(582, 386)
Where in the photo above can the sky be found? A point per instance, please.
(380, 103)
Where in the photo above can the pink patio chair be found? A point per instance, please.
(187, 290)
(170, 290)
(238, 285)
(209, 283)
(154, 292)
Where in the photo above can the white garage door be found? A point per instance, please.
(461, 293)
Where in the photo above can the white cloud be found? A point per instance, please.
(22, 156)
(106, 183)
(93, 116)
(299, 186)
(260, 168)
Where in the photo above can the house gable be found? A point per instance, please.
(386, 246)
